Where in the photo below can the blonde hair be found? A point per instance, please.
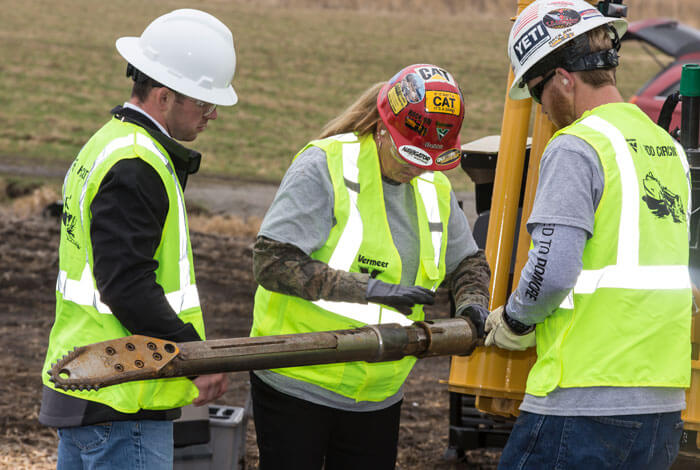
(362, 116)
(599, 40)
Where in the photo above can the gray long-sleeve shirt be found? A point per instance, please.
(302, 214)
(560, 224)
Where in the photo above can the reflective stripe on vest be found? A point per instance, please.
(351, 238)
(627, 273)
(83, 291)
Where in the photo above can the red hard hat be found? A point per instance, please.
(423, 108)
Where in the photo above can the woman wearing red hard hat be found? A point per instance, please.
(422, 108)
(362, 231)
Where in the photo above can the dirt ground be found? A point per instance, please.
(222, 251)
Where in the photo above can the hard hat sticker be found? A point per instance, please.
(442, 129)
(561, 37)
(448, 157)
(434, 73)
(415, 155)
(530, 41)
(523, 20)
(590, 13)
(417, 123)
(445, 102)
(413, 88)
(561, 18)
(397, 100)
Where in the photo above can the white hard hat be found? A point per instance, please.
(189, 51)
(543, 27)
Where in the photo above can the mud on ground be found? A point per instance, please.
(222, 252)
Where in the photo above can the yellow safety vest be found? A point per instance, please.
(626, 322)
(361, 239)
(81, 317)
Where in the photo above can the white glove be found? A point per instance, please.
(501, 335)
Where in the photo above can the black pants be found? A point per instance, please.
(297, 434)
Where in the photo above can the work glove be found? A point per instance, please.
(477, 314)
(503, 336)
(402, 298)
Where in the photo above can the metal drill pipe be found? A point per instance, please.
(138, 358)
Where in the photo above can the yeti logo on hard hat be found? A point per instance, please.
(415, 155)
(530, 41)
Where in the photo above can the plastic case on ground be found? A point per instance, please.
(226, 447)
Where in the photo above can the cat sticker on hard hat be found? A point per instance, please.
(434, 73)
(444, 102)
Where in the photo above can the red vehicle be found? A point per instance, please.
(682, 44)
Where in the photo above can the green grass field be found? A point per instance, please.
(297, 68)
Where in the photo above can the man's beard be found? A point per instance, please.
(562, 113)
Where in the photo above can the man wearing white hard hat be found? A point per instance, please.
(125, 259)
(605, 295)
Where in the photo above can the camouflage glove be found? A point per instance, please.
(477, 314)
(501, 334)
(402, 298)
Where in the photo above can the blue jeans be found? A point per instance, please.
(118, 445)
(632, 442)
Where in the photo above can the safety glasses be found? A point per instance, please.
(207, 108)
(537, 90)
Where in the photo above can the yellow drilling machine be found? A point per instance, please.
(486, 384)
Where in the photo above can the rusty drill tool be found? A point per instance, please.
(138, 357)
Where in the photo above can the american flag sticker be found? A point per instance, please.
(590, 13)
(523, 20)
